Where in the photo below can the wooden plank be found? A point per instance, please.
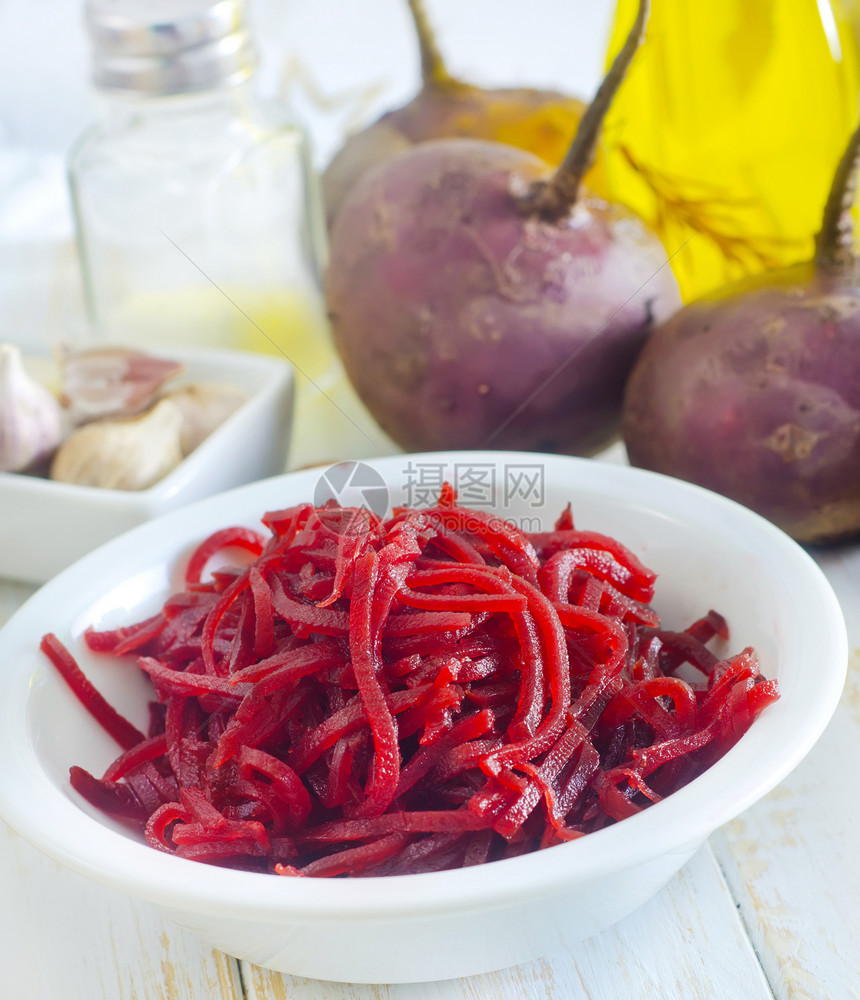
(64, 937)
(685, 944)
(791, 861)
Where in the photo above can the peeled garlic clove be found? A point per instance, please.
(122, 454)
(204, 406)
(30, 417)
(112, 382)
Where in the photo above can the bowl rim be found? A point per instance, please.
(50, 819)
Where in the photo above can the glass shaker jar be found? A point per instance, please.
(197, 212)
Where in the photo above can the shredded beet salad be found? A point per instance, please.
(432, 691)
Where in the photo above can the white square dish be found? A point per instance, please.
(45, 526)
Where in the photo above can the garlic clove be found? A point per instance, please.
(30, 417)
(204, 406)
(111, 382)
(129, 454)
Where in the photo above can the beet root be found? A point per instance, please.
(755, 395)
(538, 121)
(755, 392)
(479, 300)
(464, 321)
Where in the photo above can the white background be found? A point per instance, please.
(342, 44)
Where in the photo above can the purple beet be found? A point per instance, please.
(539, 121)
(755, 392)
(478, 300)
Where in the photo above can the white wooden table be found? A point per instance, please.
(770, 907)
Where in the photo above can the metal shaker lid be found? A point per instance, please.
(162, 47)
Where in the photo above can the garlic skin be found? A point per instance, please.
(111, 382)
(204, 406)
(122, 454)
(30, 417)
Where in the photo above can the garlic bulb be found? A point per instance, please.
(122, 454)
(204, 406)
(30, 417)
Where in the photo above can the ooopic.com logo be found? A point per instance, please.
(353, 484)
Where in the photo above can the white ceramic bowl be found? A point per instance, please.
(45, 526)
(708, 551)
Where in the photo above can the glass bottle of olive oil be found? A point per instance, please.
(728, 129)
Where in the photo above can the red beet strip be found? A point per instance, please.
(227, 538)
(109, 719)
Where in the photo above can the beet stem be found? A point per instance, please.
(433, 71)
(834, 245)
(558, 195)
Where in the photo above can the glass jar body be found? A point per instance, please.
(199, 222)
